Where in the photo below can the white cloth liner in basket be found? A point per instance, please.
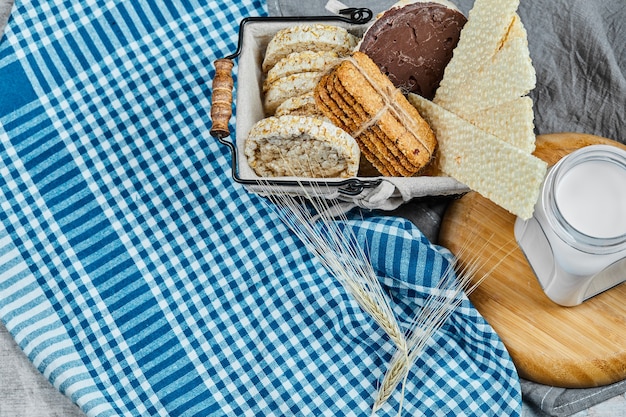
(386, 193)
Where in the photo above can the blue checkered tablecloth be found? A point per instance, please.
(142, 281)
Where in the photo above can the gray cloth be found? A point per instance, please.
(561, 402)
(579, 54)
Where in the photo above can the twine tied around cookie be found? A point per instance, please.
(389, 104)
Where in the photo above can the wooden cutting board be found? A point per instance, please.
(572, 347)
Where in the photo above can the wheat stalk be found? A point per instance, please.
(439, 305)
(317, 225)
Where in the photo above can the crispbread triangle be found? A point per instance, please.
(511, 121)
(488, 24)
(484, 162)
(508, 74)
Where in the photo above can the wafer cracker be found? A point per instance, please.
(488, 27)
(488, 23)
(511, 121)
(484, 162)
(507, 75)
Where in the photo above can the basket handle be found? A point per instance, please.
(222, 100)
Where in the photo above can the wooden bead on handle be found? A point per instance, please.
(222, 100)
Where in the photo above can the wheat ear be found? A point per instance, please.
(442, 302)
(317, 225)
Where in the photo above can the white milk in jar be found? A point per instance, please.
(591, 196)
(576, 240)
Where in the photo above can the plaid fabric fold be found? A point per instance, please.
(141, 280)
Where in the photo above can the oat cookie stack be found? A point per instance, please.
(360, 99)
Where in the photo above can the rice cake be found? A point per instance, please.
(313, 37)
(302, 105)
(301, 147)
(287, 87)
(297, 62)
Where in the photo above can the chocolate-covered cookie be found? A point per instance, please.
(412, 44)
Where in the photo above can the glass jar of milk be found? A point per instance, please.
(576, 239)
